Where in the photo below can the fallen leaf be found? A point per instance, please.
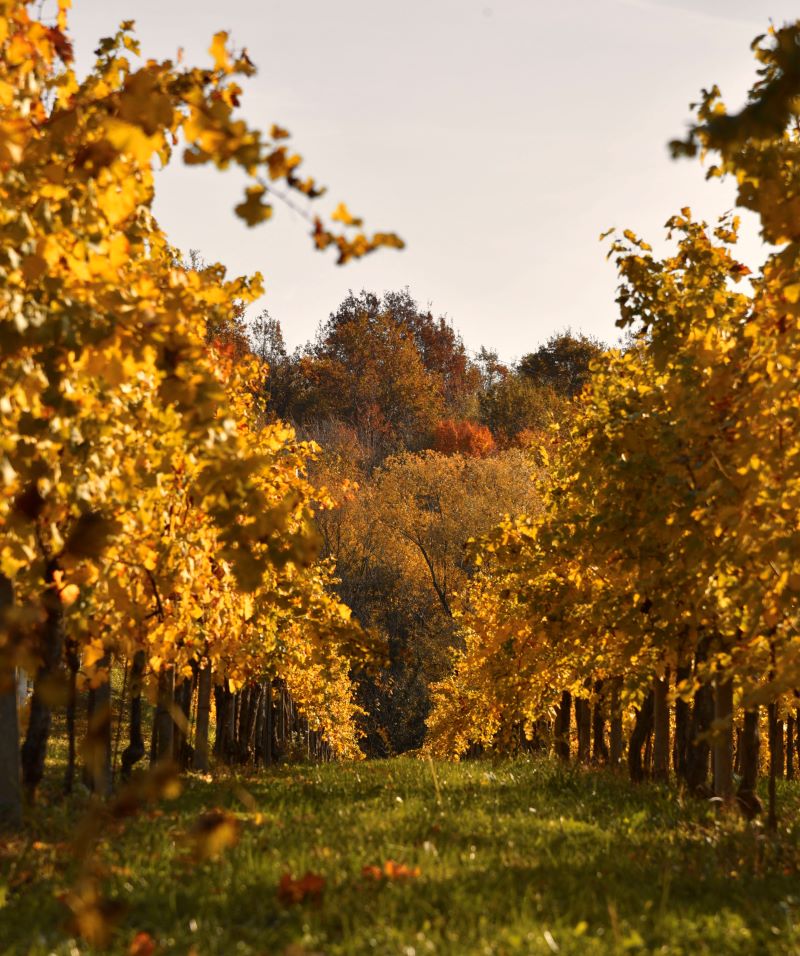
(307, 887)
(391, 870)
(142, 944)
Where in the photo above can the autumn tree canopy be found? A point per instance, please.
(663, 568)
(147, 514)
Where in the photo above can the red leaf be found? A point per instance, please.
(142, 944)
(307, 887)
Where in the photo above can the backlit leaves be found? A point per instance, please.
(212, 833)
(219, 53)
(140, 492)
(670, 520)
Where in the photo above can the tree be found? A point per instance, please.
(562, 363)
(366, 369)
(617, 578)
(465, 438)
(398, 538)
(665, 545)
(136, 478)
(514, 406)
(491, 369)
(266, 338)
(10, 770)
(440, 348)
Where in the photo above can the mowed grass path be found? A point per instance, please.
(518, 857)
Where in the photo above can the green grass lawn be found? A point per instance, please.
(516, 857)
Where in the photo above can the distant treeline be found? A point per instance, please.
(423, 446)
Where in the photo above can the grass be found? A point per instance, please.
(517, 857)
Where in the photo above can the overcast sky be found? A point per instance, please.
(498, 137)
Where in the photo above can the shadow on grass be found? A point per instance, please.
(505, 851)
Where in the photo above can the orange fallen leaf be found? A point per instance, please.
(391, 870)
(142, 944)
(307, 887)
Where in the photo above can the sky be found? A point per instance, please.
(499, 138)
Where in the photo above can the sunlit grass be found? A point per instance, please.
(520, 857)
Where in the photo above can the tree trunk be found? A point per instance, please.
(256, 703)
(123, 703)
(45, 687)
(163, 724)
(231, 725)
(285, 722)
(226, 721)
(583, 723)
(796, 744)
(73, 665)
(682, 718)
(134, 752)
(261, 717)
(790, 748)
(181, 745)
(779, 763)
(10, 778)
(698, 750)
(648, 752)
(723, 739)
(750, 746)
(10, 770)
(245, 699)
(236, 718)
(661, 727)
(561, 731)
(203, 718)
(615, 730)
(599, 748)
(536, 744)
(772, 722)
(247, 721)
(641, 730)
(268, 755)
(220, 708)
(97, 745)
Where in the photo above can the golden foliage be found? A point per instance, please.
(670, 529)
(138, 482)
